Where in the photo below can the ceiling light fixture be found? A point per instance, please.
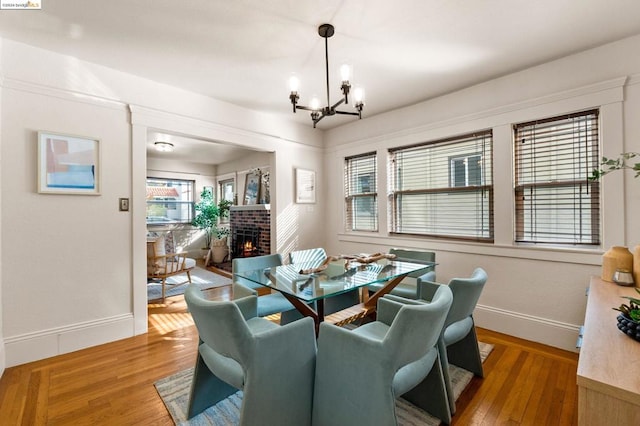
(317, 113)
(164, 146)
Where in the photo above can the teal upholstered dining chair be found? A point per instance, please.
(458, 344)
(360, 373)
(268, 304)
(316, 257)
(408, 288)
(273, 365)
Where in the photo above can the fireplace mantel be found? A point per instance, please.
(250, 207)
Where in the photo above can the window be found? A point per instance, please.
(466, 170)
(227, 190)
(227, 193)
(361, 192)
(169, 201)
(554, 200)
(443, 188)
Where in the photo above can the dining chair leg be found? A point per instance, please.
(431, 394)
(466, 354)
(444, 362)
(206, 389)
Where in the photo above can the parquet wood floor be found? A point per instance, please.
(525, 383)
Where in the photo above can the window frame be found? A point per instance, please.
(484, 234)
(221, 187)
(521, 227)
(354, 196)
(191, 184)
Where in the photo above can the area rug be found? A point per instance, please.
(174, 391)
(178, 283)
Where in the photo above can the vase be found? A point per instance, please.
(636, 265)
(617, 257)
(219, 250)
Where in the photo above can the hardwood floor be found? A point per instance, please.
(525, 383)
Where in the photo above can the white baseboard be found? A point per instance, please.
(528, 327)
(61, 340)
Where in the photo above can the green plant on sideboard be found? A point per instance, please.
(609, 165)
(631, 309)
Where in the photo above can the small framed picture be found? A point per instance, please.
(68, 164)
(252, 188)
(305, 186)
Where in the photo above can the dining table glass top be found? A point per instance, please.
(337, 278)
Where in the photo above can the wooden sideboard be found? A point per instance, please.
(609, 361)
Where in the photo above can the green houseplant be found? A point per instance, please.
(609, 165)
(207, 214)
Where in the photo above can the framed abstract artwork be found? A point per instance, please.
(68, 164)
(305, 186)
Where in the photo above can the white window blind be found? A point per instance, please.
(443, 188)
(554, 200)
(361, 195)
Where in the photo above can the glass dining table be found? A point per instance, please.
(306, 285)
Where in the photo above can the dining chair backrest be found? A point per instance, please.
(220, 324)
(417, 327)
(417, 255)
(243, 264)
(466, 292)
(315, 256)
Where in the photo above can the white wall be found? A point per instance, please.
(73, 269)
(533, 292)
(66, 258)
(2, 351)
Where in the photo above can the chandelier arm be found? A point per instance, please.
(347, 113)
(337, 104)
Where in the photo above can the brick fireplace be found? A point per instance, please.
(250, 230)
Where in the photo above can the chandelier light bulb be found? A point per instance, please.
(358, 95)
(294, 83)
(315, 103)
(345, 72)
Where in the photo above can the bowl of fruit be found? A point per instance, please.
(629, 317)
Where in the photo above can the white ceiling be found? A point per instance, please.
(243, 52)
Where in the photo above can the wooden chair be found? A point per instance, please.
(162, 265)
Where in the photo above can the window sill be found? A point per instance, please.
(585, 256)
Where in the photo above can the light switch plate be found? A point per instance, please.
(124, 204)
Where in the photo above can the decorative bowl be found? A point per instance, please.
(629, 327)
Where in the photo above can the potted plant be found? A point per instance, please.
(207, 214)
(219, 246)
(629, 317)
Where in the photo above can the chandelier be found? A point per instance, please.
(318, 113)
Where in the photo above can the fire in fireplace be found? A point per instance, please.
(244, 241)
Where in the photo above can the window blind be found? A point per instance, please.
(443, 188)
(361, 197)
(554, 200)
